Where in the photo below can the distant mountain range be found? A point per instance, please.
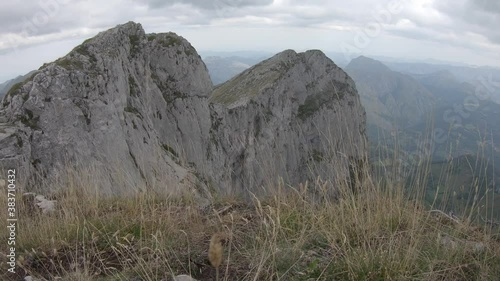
(7, 85)
(461, 73)
(411, 106)
(485, 78)
(392, 100)
(471, 122)
(435, 118)
(224, 68)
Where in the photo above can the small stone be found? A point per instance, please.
(476, 247)
(184, 277)
(47, 206)
(448, 242)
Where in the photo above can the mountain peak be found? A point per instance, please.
(141, 103)
(309, 65)
(391, 98)
(367, 64)
(129, 28)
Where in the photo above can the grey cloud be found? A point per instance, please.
(412, 34)
(477, 16)
(426, 35)
(200, 12)
(491, 6)
(496, 38)
(33, 18)
(12, 15)
(210, 4)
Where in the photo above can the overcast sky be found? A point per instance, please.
(466, 31)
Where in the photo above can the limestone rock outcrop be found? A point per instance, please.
(139, 110)
(294, 115)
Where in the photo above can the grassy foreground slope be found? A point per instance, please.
(297, 234)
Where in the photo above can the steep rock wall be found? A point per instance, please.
(139, 111)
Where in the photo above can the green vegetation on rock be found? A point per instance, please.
(133, 87)
(170, 150)
(243, 86)
(28, 119)
(135, 41)
(131, 109)
(170, 97)
(314, 102)
(69, 64)
(170, 40)
(13, 90)
(317, 155)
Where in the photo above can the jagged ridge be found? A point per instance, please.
(141, 106)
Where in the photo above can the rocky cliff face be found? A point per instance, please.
(139, 110)
(294, 115)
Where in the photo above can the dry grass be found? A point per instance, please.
(295, 234)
